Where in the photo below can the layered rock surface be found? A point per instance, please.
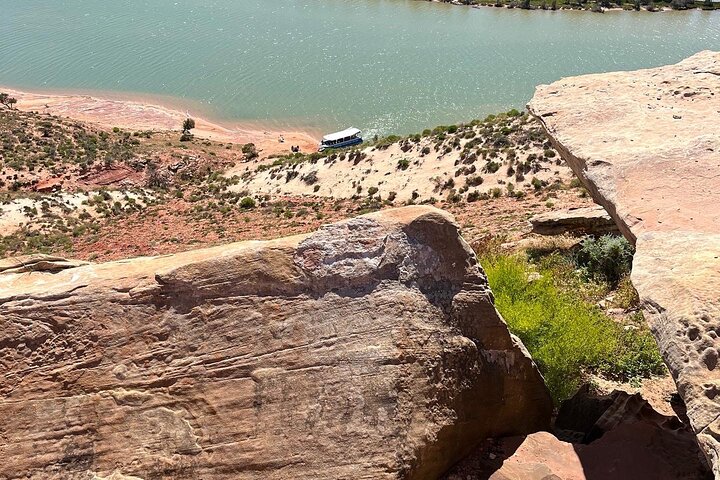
(647, 146)
(583, 221)
(369, 349)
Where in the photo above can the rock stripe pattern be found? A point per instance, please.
(369, 349)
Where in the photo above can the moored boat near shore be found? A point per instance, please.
(345, 138)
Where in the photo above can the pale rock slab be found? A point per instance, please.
(579, 221)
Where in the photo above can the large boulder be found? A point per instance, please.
(368, 349)
(646, 144)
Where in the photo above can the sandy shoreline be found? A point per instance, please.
(134, 115)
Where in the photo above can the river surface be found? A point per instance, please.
(382, 65)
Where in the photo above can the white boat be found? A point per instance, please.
(345, 138)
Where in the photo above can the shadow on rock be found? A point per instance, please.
(616, 436)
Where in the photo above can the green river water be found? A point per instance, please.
(385, 66)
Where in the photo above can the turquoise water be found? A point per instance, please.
(381, 65)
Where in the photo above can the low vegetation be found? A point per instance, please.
(503, 155)
(595, 5)
(606, 259)
(550, 302)
(77, 190)
(32, 147)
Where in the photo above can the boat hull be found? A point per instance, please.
(347, 143)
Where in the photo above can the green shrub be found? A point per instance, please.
(491, 167)
(473, 196)
(250, 151)
(566, 335)
(625, 297)
(385, 142)
(636, 355)
(403, 164)
(247, 202)
(608, 258)
(473, 180)
(575, 183)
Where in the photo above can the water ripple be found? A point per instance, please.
(382, 66)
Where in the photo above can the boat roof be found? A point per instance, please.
(348, 132)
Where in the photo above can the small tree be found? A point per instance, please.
(250, 151)
(247, 203)
(188, 124)
(7, 100)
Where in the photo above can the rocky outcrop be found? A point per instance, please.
(368, 349)
(587, 416)
(638, 451)
(646, 144)
(578, 221)
(37, 263)
(618, 436)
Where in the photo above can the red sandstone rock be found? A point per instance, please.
(368, 349)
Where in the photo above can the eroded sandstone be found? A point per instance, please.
(369, 349)
(577, 221)
(647, 146)
(617, 436)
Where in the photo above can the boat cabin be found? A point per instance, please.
(345, 138)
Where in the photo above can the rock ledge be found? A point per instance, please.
(647, 146)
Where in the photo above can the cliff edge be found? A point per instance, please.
(646, 144)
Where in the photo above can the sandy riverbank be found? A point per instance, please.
(133, 115)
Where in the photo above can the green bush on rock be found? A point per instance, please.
(608, 258)
(566, 335)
